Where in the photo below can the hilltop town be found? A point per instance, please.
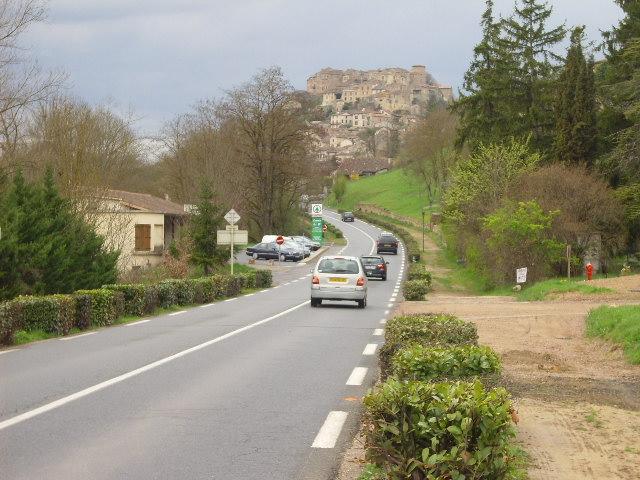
(367, 112)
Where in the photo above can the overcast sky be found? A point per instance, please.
(159, 57)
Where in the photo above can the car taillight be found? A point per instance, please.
(381, 266)
(315, 280)
(360, 282)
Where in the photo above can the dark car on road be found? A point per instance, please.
(271, 251)
(374, 266)
(387, 242)
(348, 217)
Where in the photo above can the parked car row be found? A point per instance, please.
(294, 248)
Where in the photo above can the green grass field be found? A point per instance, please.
(540, 291)
(394, 190)
(620, 325)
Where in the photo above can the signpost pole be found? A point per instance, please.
(232, 235)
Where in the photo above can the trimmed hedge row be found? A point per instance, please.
(424, 430)
(418, 271)
(417, 362)
(424, 329)
(58, 314)
(415, 290)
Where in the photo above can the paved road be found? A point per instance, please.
(257, 387)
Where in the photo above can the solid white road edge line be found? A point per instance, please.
(138, 322)
(150, 366)
(330, 430)
(378, 332)
(10, 350)
(357, 376)
(64, 339)
(370, 349)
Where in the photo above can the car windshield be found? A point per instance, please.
(371, 260)
(338, 265)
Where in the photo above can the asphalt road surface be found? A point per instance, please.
(262, 386)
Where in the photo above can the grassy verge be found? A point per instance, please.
(395, 191)
(620, 325)
(541, 290)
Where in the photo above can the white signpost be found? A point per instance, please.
(521, 275)
(231, 235)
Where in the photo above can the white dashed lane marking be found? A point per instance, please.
(64, 339)
(370, 349)
(330, 430)
(142, 321)
(357, 376)
(378, 332)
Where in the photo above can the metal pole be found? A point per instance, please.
(232, 235)
(423, 229)
(569, 262)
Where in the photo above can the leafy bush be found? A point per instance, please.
(428, 330)
(415, 289)
(134, 297)
(417, 271)
(264, 278)
(51, 313)
(248, 279)
(439, 430)
(10, 317)
(418, 362)
(372, 472)
(104, 307)
(82, 317)
(221, 285)
(167, 294)
(203, 289)
(182, 291)
(520, 236)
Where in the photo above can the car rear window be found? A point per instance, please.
(388, 238)
(338, 265)
(371, 260)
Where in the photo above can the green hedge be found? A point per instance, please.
(234, 285)
(134, 297)
(427, 430)
(264, 278)
(181, 292)
(418, 362)
(413, 249)
(424, 329)
(204, 289)
(10, 317)
(151, 298)
(98, 308)
(415, 290)
(51, 313)
(418, 271)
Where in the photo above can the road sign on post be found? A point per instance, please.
(316, 209)
(231, 233)
(521, 275)
(316, 229)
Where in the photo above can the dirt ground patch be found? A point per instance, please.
(578, 400)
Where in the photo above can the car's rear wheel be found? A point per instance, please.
(362, 303)
(315, 302)
(283, 258)
(384, 277)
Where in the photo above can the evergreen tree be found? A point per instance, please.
(619, 82)
(49, 247)
(204, 225)
(531, 43)
(482, 106)
(575, 128)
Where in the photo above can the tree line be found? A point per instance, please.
(540, 150)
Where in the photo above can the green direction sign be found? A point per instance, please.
(316, 229)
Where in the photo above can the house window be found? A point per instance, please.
(143, 238)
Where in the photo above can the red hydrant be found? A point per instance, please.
(589, 270)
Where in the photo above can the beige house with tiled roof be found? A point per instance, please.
(140, 225)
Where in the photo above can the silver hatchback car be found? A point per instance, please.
(339, 278)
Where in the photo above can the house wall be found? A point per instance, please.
(118, 228)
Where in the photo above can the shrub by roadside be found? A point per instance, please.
(418, 362)
(51, 314)
(423, 430)
(424, 329)
(415, 290)
(418, 271)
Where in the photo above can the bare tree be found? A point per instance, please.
(273, 144)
